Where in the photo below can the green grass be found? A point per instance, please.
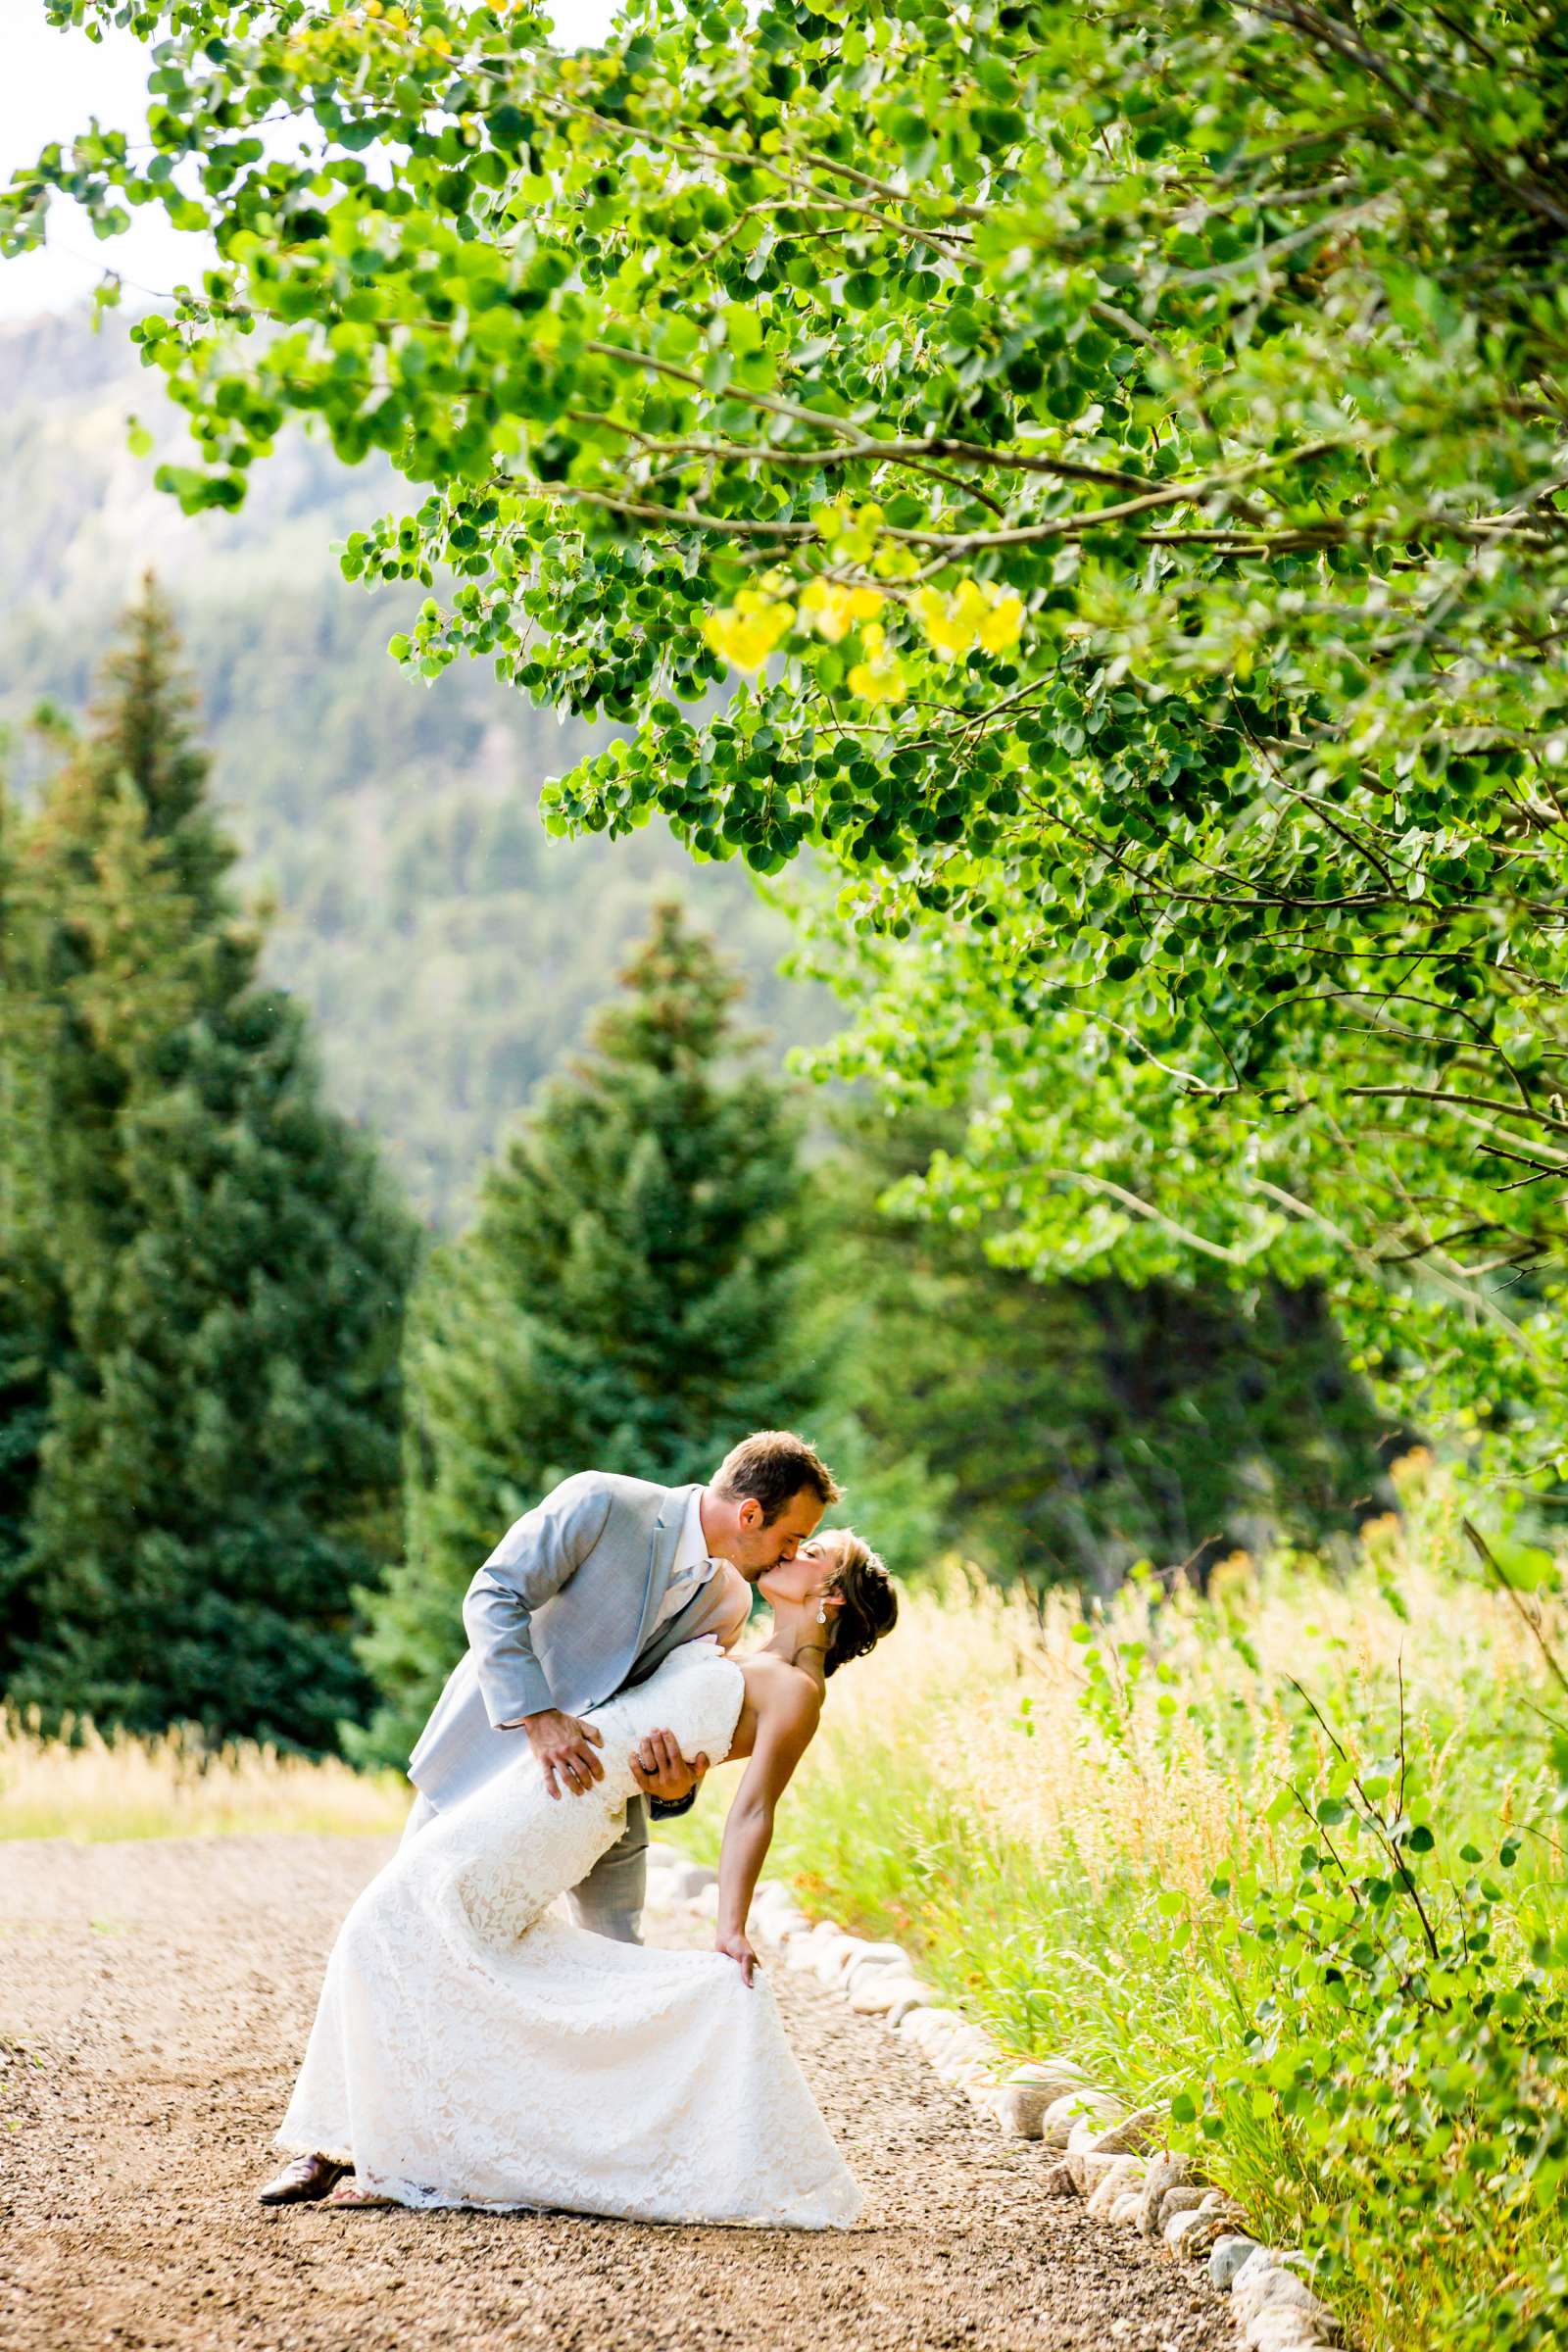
(1135, 1844)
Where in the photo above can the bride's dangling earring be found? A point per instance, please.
(821, 1613)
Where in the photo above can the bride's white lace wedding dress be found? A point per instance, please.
(468, 2051)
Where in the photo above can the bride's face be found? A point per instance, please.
(806, 1581)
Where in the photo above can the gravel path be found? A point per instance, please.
(154, 2001)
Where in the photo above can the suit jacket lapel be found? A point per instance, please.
(662, 1558)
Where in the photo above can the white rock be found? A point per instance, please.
(912, 1995)
(859, 1953)
(1020, 2109)
(1191, 2233)
(874, 1991)
(968, 2045)
(781, 1927)
(705, 1903)
(1174, 2201)
(1095, 2138)
(831, 1956)
(930, 2026)
(963, 2066)
(1280, 2328)
(1226, 2257)
(773, 1915)
(1034, 2086)
(1086, 2173)
(1131, 2135)
(867, 1965)
(1059, 2076)
(659, 1850)
(1165, 2173)
(1125, 2213)
(1064, 2115)
(1261, 2258)
(1121, 2174)
(684, 1880)
(1271, 2287)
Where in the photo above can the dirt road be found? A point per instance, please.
(154, 2001)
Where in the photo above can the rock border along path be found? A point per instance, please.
(156, 1998)
(1113, 2159)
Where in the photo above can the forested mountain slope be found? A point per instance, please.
(449, 949)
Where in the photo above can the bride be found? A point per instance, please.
(470, 2050)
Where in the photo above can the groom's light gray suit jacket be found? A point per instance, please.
(561, 1615)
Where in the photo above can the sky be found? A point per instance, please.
(53, 81)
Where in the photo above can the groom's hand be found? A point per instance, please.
(564, 1747)
(661, 1770)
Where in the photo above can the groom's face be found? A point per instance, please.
(760, 1545)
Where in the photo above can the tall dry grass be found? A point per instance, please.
(88, 1786)
(1167, 1776)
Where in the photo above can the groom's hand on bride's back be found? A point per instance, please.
(564, 1747)
(661, 1770)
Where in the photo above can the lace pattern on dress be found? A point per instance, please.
(469, 2051)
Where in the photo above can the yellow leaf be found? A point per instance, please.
(947, 635)
(884, 684)
(747, 631)
(1003, 625)
(880, 677)
(834, 609)
(976, 614)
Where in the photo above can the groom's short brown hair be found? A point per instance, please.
(771, 1467)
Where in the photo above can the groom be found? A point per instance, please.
(583, 1595)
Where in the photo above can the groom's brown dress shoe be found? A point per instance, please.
(303, 2182)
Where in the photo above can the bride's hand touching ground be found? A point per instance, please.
(737, 1944)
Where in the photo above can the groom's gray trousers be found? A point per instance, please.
(610, 1900)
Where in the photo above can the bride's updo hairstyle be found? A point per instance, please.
(870, 1603)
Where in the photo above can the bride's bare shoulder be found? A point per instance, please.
(781, 1692)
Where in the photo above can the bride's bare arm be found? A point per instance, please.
(787, 1710)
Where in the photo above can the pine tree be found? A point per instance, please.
(1065, 1428)
(623, 1300)
(32, 1327)
(219, 1468)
